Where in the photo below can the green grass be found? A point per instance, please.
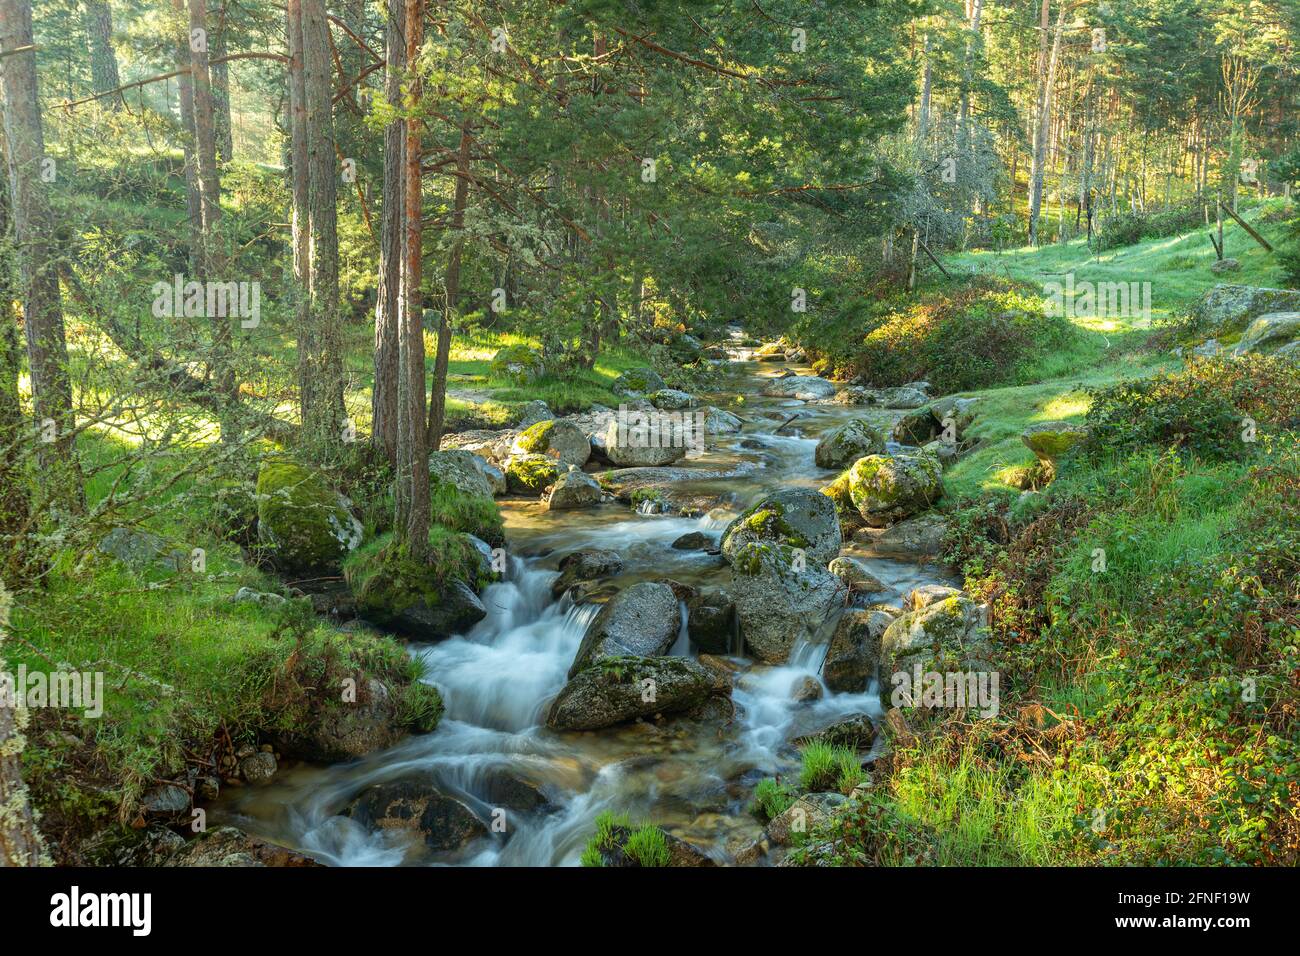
(771, 799)
(648, 846)
(826, 767)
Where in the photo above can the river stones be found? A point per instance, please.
(855, 731)
(917, 539)
(461, 469)
(614, 690)
(557, 438)
(947, 635)
(644, 443)
(643, 620)
(842, 446)
(855, 573)
(854, 651)
(805, 388)
(332, 730)
(636, 382)
(419, 808)
(588, 564)
(575, 489)
(225, 847)
(530, 474)
(693, 541)
(534, 412)
(902, 396)
(711, 622)
(927, 594)
(672, 399)
(798, 518)
(886, 489)
(718, 421)
(809, 811)
(779, 599)
(303, 523)
(947, 418)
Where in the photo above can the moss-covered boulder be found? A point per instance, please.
(519, 363)
(854, 651)
(615, 690)
(530, 474)
(1050, 440)
(947, 418)
(946, 635)
(886, 489)
(637, 382)
(1226, 308)
(642, 620)
(798, 518)
(1269, 332)
(558, 439)
(842, 446)
(424, 600)
(462, 469)
(779, 598)
(303, 523)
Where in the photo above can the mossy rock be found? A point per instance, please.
(887, 488)
(530, 474)
(555, 438)
(842, 446)
(519, 363)
(797, 518)
(427, 599)
(638, 381)
(1050, 440)
(304, 523)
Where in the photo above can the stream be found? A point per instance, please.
(694, 778)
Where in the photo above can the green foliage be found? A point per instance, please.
(385, 579)
(827, 767)
(648, 846)
(1127, 228)
(771, 799)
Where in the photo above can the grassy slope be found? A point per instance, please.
(1178, 268)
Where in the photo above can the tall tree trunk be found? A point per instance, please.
(438, 395)
(301, 215)
(20, 840)
(1041, 127)
(103, 61)
(322, 416)
(412, 493)
(388, 300)
(185, 89)
(47, 350)
(213, 256)
(221, 87)
(13, 494)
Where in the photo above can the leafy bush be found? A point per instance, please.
(987, 333)
(1200, 409)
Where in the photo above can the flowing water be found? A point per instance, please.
(694, 778)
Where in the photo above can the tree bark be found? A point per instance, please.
(20, 840)
(103, 60)
(185, 89)
(220, 72)
(47, 350)
(1041, 127)
(387, 304)
(438, 395)
(322, 406)
(13, 496)
(412, 497)
(212, 258)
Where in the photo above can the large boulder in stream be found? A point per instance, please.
(463, 470)
(779, 598)
(584, 566)
(945, 635)
(304, 524)
(842, 446)
(575, 489)
(854, 651)
(886, 489)
(806, 388)
(556, 438)
(799, 518)
(615, 690)
(711, 622)
(422, 600)
(419, 808)
(643, 620)
(646, 439)
(530, 474)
